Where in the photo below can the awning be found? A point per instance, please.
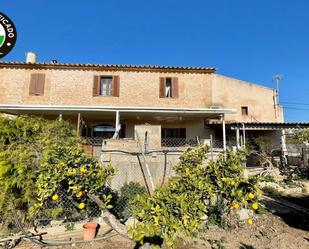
(110, 110)
(267, 126)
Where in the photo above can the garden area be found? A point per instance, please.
(56, 196)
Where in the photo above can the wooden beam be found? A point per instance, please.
(78, 123)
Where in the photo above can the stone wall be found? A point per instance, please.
(141, 89)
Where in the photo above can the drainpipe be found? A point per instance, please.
(117, 125)
(237, 137)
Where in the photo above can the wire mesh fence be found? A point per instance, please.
(59, 222)
(178, 142)
(67, 212)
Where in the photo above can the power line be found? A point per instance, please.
(294, 108)
(294, 103)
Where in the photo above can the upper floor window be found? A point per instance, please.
(244, 110)
(37, 84)
(168, 87)
(106, 86)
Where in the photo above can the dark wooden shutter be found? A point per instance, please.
(162, 88)
(96, 85)
(37, 84)
(182, 133)
(175, 88)
(116, 86)
(40, 84)
(163, 132)
(32, 86)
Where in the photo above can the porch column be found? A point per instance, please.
(237, 137)
(244, 134)
(224, 135)
(283, 143)
(117, 125)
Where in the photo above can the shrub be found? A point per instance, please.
(200, 189)
(123, 205)
(271, 191)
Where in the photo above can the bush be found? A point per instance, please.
(272, 191)
(198, 191)
(123, 203)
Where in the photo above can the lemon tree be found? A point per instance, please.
(39, 161)
(200, 189)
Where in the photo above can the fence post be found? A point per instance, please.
(211, 148)
(224, 135)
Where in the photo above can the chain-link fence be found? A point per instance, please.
(178, 142)
(60, 220)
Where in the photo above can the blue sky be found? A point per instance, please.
(247, 39)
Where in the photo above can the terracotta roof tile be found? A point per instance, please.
(88, 66)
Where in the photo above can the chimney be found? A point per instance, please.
(31, 57)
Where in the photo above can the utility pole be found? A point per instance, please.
(277, 78)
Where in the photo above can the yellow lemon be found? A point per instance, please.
(250, 221)
(81, 205)
(79, 194)
(232, 183)
(82, 169)
(55, 197)
(187, 171)
(236, 205)
(255, 206)
(250, 196)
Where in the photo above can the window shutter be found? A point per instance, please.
(116, 86)
(33, 83)
(162, 88)
(175, 87)
(40, 84)
(96, 85)
(163, 132)
(37, 83)
(182, 132)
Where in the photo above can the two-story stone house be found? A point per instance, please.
(185, 104)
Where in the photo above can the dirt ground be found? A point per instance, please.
(269, 231)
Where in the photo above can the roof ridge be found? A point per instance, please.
(115, 66)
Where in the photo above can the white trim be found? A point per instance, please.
(9, 107)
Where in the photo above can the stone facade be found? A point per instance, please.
(140, 89)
